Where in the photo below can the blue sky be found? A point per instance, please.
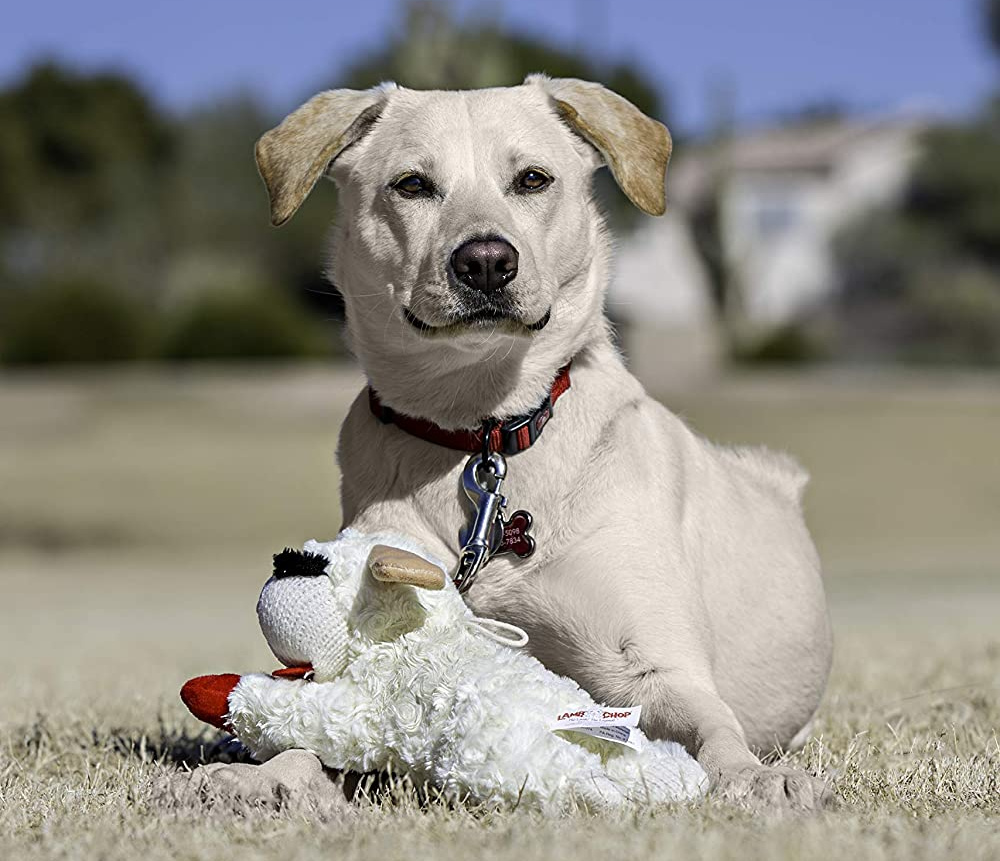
(874, 55)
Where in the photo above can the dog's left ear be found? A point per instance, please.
(293, 156)
(635, 147)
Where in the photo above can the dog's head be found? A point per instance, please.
(466, 213)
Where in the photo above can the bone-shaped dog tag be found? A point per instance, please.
(515, 538)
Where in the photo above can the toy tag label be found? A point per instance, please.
(610, 724)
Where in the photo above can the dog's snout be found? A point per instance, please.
(485, 264)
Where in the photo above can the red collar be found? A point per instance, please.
(508, 437)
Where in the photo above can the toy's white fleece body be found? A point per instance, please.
(407, 679)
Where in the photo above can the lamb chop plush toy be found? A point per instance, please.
(405, 677)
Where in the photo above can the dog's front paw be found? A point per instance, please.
(293, 780)
(772, 788)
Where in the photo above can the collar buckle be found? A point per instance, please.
(520, 433)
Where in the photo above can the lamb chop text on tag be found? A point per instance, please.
(618, 725)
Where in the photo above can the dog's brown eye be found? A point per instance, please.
(533, 179)
(412, 184)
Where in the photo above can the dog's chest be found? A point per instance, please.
(529, 487)
(394, 481)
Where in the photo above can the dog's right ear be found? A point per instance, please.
(293, 156)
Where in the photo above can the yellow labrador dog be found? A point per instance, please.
(667, 571)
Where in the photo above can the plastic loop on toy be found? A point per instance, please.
(498, 632)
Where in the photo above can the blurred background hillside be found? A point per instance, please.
(826, 281)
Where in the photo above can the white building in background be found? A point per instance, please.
(660, 296)
(783, 194)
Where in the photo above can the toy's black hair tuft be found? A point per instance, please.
(299, 563)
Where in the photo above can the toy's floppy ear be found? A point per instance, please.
(635, 147)
(392, 565)
(293, 156)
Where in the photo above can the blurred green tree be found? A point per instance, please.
(955, 190)
(922, 281)
(73, 319)
(992, 10)
(69, 142)
(246, 321)
(218, 211)
(434, 50)
(101, 194)
(82, 160)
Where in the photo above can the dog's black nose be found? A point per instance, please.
(485, 264)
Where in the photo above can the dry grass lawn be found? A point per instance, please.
(138, 511)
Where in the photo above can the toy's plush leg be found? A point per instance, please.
(294, 778)
(207, 697)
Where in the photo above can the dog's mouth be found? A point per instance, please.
(487, 317)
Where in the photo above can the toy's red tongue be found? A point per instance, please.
(207, 697)
(292, 672)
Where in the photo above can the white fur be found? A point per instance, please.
(424, 692)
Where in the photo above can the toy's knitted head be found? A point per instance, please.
(328, 603)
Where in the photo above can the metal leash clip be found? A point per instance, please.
(489, 534)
